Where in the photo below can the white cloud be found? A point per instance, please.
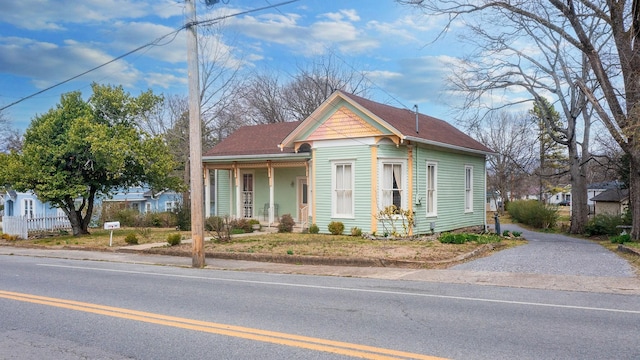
(164, 80)
(46, 63)
(54, 15)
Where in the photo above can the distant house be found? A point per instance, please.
(28, 205)
(349, 160)
(612, 201)
(144, 200)
(25, 213)
(595, 189)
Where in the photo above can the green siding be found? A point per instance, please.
(223, 188)
(285, 195)
(450, 190)
(361, 157)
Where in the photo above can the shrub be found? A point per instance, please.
(336, 227)
(174, 239)
(603, 224)
(131, 239)
(127, 217)
(286, 224)
(356, 231)
(620, 239)
(505, 233)
(214, 223)
(533, 213)
(183, 217)
(449, 238)
(240, 226)
(220, 226)
(314, 229)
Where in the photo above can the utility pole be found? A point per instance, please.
(195, 140)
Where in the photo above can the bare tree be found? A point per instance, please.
(586, 51)
(512, 138)
(10, 138)
(315, 83)
(263, 100)
(267, 99)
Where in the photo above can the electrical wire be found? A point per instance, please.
(152, 43)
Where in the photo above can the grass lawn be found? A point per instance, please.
(427, 249)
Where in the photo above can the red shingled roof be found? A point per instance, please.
(430, 128)
(264, 139)
(255, 140)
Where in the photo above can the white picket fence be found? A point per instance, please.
(21, 226)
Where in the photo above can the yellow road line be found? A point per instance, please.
(317, 344)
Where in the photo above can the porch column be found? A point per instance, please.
(215, 192)
(270, 173)
(309, 187)
(236, 174)
(207, 193)
(374, 188)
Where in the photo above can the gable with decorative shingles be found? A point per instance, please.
(344, 123)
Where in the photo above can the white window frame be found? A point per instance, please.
(431, 184)
(402, 184)
(28, 208)
(338, 212)
(468, 188)
(147, 207)
(170, 206)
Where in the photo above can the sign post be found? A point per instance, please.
(110, 225)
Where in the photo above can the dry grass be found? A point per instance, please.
(100, 238)
(277, 244)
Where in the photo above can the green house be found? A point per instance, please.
(350, 160)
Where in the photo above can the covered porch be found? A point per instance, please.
(261, 190)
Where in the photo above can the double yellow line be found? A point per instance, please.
(304, 342)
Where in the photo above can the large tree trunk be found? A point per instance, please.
(579, 207)
(634, 195)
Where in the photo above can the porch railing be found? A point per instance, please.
(21, 226)
(304, 217)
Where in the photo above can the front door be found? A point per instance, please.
(247, 195)
(303, 200)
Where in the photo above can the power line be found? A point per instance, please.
(152, 43)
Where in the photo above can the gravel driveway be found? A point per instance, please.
(552, 254)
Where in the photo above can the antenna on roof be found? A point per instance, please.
(416, 107)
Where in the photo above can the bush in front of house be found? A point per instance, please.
(336, 227)
(356, 231)
(174, 239)
(286, 224)
(214, 223)
(533, 213)
(240, 226)
(314, 229)
(131, 239)
(603, 224)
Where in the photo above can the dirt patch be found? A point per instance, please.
(327, 250)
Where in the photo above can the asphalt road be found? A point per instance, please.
(71, 309)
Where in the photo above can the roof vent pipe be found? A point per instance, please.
(416, 107)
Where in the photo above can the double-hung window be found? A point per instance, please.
(28, 208)
(342, 185)
(392, 185)
(432, 185)
(170, 206)
(468, 188)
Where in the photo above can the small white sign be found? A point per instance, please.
(110, 225)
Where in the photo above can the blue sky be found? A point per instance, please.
(43, 42)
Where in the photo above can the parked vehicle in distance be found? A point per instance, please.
(564, 203)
